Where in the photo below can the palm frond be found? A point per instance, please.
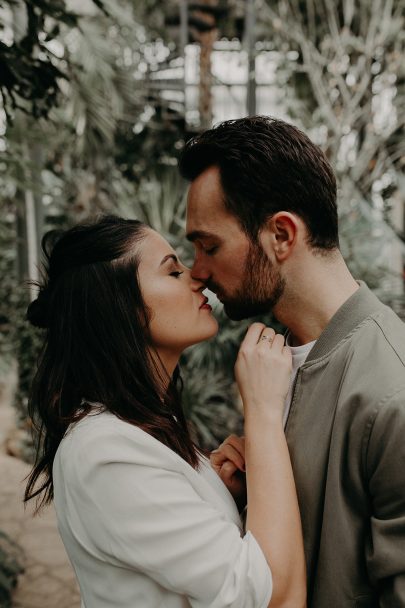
(211, 407)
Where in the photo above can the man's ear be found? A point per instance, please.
(280, 234)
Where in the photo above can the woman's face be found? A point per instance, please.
(180, 315)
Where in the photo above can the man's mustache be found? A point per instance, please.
(212, 286)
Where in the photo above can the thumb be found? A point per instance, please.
(227, 471)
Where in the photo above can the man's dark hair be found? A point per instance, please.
(267, 165)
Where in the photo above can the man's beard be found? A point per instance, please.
(262, 288)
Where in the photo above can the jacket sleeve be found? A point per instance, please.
(385, 463)
(144, 514)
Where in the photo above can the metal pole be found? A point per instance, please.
(31, 237)
(183, 25)
(183, 44)
(250, 39)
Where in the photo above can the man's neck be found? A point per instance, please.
(307, 307)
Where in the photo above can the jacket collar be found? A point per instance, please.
(358, 307)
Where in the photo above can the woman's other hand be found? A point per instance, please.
(228, 461)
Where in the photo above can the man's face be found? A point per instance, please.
(236, 269)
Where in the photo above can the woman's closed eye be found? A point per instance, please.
(176, 273)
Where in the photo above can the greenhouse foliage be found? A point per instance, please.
(94, 114)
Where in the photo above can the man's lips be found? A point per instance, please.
(215, 290)
(219, 296)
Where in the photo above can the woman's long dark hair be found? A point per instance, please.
(97, 345)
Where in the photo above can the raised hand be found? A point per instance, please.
(263, 371)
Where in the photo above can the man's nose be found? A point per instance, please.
(199, 271)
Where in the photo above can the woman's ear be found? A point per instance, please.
(280, 234)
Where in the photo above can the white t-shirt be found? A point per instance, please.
(299, 355)
(143, 528)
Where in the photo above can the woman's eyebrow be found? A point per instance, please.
(170, 256)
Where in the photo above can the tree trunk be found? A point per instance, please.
(205, 97)
(250, 22)
(206, 37)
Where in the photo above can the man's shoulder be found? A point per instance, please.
(371, 363)
(366, 367)
(380, 337)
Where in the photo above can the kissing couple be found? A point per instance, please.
(147, 519)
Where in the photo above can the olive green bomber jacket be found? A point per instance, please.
(346, 435)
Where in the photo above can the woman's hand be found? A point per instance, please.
(228, 460)
(263, 371)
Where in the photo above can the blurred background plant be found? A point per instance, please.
(11, 559)
(343, 71)
(97, 99)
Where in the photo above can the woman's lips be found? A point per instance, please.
(205, 305)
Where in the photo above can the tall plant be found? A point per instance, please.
(342, 64)
(52, 156)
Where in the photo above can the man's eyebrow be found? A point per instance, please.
(199, 234)
(170, 256)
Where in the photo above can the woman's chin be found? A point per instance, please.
(207, 333)
(214, 328)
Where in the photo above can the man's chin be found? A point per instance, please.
(238, 311)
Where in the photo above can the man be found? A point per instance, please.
(263, 219)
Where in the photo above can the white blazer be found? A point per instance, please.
(143, 529)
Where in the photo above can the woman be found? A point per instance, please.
(144, 518)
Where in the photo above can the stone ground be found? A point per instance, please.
(48, 580)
